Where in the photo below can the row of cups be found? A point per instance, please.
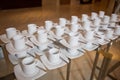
(42, 33)
(19, 40)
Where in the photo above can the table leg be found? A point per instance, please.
(108, 46)
(68, 70)
(104, 67)
(94, 64)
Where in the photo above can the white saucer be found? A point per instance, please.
(94, 39)
(67, 54)
(54, 66)
(93, 47)
(36, 51)
(20, 75)
(10, 48)
(116, 34)
(114, 37)
(103, 42)
(4, 38)
(13, 59)
(55, 36)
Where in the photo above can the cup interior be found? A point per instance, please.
(53, 51)
(28, 61)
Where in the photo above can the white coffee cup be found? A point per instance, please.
(94, 15)
(74, 27)
(19, 42)
(48, 25)
(73, 40)
(106, 19)
(62, 22)
(29, 66)
(86, 25)
(42, 47)
(97, 22)
(32, 28)
(112, 24)
(42, 36)
(117, 30)
(54, 56)
(89, 35)
(74, 19)
(59, 30)
(101, 14)
(84, 17)
(109, 33)
(10, 32)
(114, 17)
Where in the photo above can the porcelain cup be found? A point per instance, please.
(117, 30)
(84, 17)
(10, 32)
(74, 19)
(43, 47)
(97, 22)
(114, 17)
(54, 56)
(32, 28)
(42, 36)
(74, 40)
(28, 65)
(62, 22)
(86, 25)
(48, 25)
(106, 19)
(74, 27)
(109, 33)
(94, 15)
(101, 14)
(19, 42)
(89, 35)
(112, 24)
(59, 31)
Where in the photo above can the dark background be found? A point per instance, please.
(11, 4)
